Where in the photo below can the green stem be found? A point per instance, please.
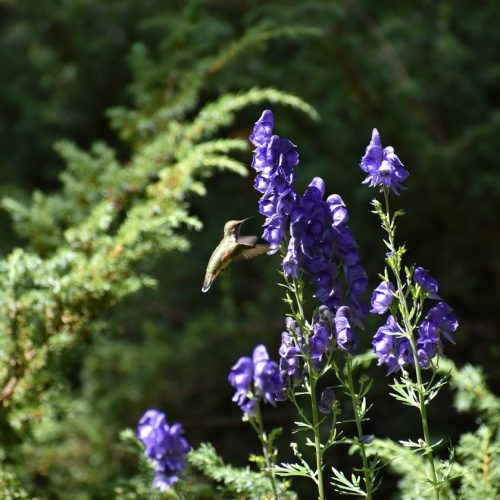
(355, 404)
(314, 403)
(409, 331)
(269, 470)
(423, 414)
(317, 437)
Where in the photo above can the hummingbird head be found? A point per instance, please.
(232, 227)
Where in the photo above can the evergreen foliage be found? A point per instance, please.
(115, 209)
(83, 247)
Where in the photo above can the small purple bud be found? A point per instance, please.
(367, 438)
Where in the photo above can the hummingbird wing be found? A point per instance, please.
(250, 241)
(251, 252)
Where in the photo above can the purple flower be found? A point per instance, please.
(346, 339)
(382, 165)
(290, 262)
(429, 284)
(319, 343)
(320, 243)
(165, 446)
(392, 349)
(257, 378)
(274, 161)
(319, 239)
(291, 351)
(326, 401)
(382, 297)
(440, 321)
(338, 210)
(267, 377)
(241, 378)
(263, 130)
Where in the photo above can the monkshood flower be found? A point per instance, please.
(321, 243)
(291, 351)
(346, 339)
(320, 342)
(440, 321)
(317, 228)
(422, 277)
(382, 297)
(164, 446)
(392, 349)
(257, 378)
(326, 401)
(382, 165)
(274, 160)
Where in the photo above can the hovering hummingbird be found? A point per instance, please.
(232, 248)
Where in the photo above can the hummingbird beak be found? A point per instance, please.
(241, 222)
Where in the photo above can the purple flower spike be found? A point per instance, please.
(382, 298)
(320, 243)
(422, 277)
(257, 378)
(274, 160)
(382, 165)
(165, 446)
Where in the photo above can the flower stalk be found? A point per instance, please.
(318, 447)
(358, 417)
(312, 376)
(394, 262)
(268, 450)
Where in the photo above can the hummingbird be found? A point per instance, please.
(232, 248)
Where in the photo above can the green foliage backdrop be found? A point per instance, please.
(149, 104)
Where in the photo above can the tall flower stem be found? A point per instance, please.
(317, 437)
(358, 418)
(389, 226)
(258, 425)
(313, 378)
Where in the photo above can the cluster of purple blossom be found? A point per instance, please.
(390, 344)
(382, 165)
(274, 160)
(328, 330)
(165, 446)
(394, 349)
(255, 379)
(258, 378)
(320, 241)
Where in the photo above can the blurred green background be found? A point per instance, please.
(425, 73)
